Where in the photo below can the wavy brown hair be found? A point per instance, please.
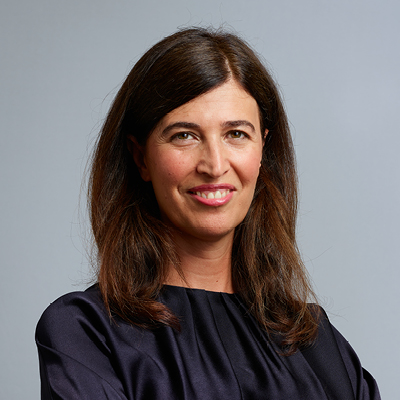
(135, 247)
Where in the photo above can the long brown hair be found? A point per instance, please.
(135, 247)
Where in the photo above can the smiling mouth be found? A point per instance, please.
(207, 194)
(213, 195)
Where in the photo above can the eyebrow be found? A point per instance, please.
(192, 125)
(236, 124)
(186, 125)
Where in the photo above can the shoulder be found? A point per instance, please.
(73, 302)
(334, 361)
(65, 317)
(89, 296)
(75, 356)
(363, 382)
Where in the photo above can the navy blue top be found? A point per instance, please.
(221, 353)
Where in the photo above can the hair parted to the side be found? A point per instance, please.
(135, 247)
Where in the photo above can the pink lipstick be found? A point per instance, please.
(213, 195)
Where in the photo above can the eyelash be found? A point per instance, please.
(244, 134)
(176, 136)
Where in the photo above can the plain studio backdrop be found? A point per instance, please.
(338, 66)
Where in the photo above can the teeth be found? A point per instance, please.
(213, 195)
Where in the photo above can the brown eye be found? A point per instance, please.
(237, 134)
(183, 136)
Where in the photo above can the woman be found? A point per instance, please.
(201, 292)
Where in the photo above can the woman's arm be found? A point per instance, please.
(75, 361)
(364, 385)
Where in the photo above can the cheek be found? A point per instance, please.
(168, 170)
(251, 167)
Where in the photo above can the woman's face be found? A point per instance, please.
(203, 160)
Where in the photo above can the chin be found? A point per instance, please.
(207, 233)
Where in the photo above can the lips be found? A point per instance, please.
(212, 195)
(219, 194)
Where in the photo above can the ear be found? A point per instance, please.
(265, 136)
(139, 157)
(263, 143)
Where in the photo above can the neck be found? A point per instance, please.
(204, 264)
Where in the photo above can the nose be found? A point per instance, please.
(213, 160)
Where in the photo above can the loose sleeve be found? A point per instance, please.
(74, 358)
(364, 385)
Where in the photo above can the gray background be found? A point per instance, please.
(337, 63)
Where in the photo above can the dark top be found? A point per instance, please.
(221, 353)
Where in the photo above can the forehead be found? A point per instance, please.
(227, 102)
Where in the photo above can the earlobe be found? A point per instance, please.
(139, 157)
